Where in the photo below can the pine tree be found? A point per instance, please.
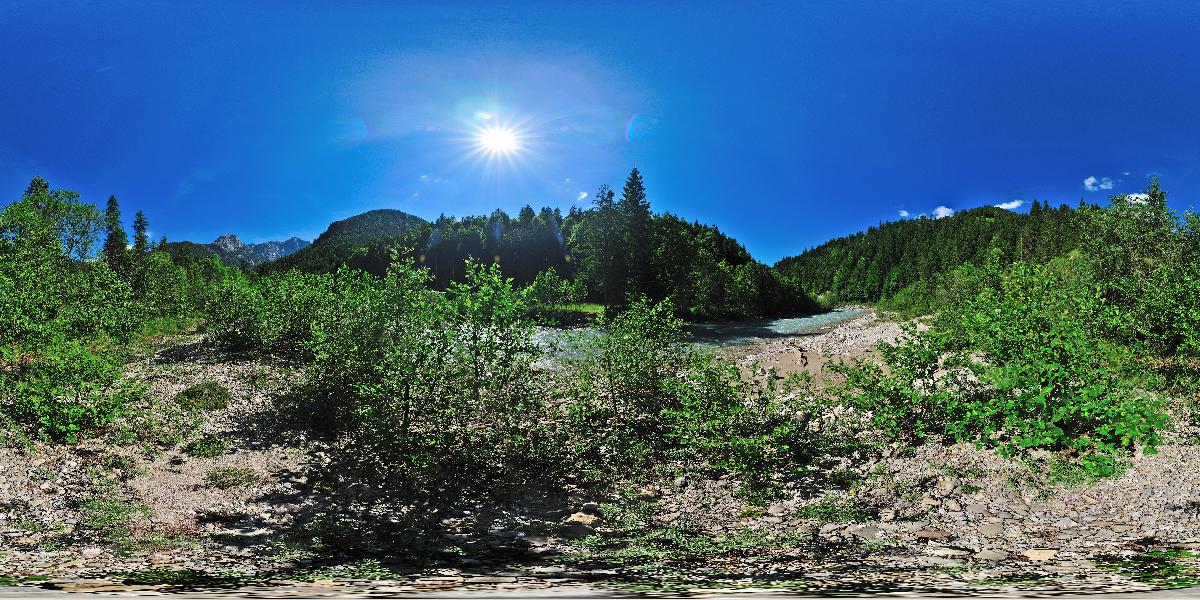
(116, 243)
(609, 246)
(141, 243)
(635, 213)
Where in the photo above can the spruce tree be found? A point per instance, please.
(609, 246)
(141, 243)
(116, 243)
(635, 213)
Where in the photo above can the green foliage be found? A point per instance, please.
(553, 297)
(209, 446)
(436, 384)
(205, 396)
(111, 517)
(231, 477)
(833, 509)
(642, 397)
(65, 390)
(906, 257)
(1016, 362)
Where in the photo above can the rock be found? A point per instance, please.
(866, 532)
(977, 508)
(991, 530)
(588, 519)
(948, 552)
(932, 534)
(1039, 554)
(590, 508)
(91, 552)
(776, 510)
(491, 579)
(990, 555)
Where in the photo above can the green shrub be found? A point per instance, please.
(226, 478)
(205, 396)
(436, 385)
(65, 389)
(831, 509)
(209, 446)
(110, 516)
(1018, 362)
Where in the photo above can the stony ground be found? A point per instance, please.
(137, 510)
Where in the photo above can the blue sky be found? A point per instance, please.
(783, 123)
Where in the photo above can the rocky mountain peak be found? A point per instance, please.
(229, 243)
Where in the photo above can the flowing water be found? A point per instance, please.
(561, 343)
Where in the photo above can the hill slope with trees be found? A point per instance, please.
(613, 252)
(884, 260)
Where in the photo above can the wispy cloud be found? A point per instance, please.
(581, 196)
(942, 211)
(904, 214)
(1010, 205)
(193, 180)
(1092, 184)
(1138, 198)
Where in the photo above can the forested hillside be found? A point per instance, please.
(234, 252)
(616, 250)
(882, 261)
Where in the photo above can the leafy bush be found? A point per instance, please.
(639, 397)
(436, 384)
(1017, 363)
(231, 477)
(65, 389)
(205, 396)
(209, 446)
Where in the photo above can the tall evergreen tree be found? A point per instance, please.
(141, 241)
(635, 216)
(608, 247)
(116, 243)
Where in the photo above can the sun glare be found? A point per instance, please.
(499, 140)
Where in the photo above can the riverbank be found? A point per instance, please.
(150, 512)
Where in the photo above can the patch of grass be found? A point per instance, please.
(970, 488)
(153, 542)
(184, 578)
(231, 477)
(831, 509)
(110, 516)
(590, 308)
(1011, 579)
(366, 569)
(206, 396)
(752, 512)
(209, 446)
(1160, 568)
(843, 479)
(640, 544)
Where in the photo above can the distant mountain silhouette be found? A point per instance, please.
(233, 251)
(373, 233)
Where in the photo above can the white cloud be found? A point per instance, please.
(942, 211)
(904, 214)
(1126, 173)
(1092, 184)
(1010, 205)
(1138, 198)
(581, 196)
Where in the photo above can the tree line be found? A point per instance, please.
(881, 262)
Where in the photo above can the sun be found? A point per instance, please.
(498, 140)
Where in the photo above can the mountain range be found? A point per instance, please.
(233, 251)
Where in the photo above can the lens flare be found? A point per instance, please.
(499, 140)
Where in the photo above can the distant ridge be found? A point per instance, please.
(233, 251)
(373, 233)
